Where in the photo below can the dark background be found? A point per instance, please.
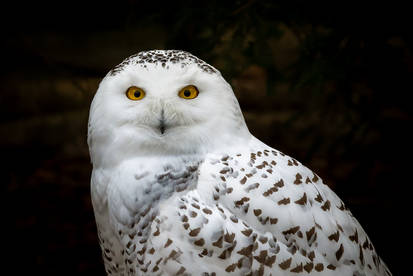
(328, 84)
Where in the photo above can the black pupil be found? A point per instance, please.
(137, 94)
(187, 93)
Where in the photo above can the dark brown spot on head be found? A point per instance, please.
(241, 201)
(225, 158)
(252, 186)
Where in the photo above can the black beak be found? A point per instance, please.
(162, 126)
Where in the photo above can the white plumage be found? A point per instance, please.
(180, 186)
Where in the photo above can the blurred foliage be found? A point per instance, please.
(326, 82)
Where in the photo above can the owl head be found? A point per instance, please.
(162, 102)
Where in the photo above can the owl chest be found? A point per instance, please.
(127, 204)
(138, 187)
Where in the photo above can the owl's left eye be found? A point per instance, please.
(135, 93)
(188, 92)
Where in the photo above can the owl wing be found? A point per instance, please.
(258, 210)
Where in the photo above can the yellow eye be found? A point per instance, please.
(188, 92)
(135, 93)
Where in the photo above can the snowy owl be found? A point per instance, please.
(180, 186)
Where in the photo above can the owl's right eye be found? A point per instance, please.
(135, 93)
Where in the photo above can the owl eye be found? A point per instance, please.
(188, 92)
(135, 93)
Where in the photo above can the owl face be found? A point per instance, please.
(149, 108)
